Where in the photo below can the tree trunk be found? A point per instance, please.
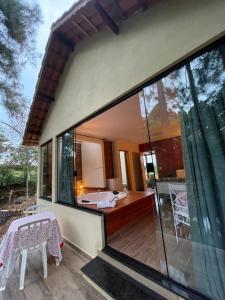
(162, 102)
(222, 53)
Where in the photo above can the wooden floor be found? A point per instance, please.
(63, 282)
(139, 240)
(135, 206)
(142, 240)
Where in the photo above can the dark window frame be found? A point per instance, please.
(75, 204)
(43, 197)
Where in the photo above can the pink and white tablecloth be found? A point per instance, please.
(9, 244)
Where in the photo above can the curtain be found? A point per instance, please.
(66, 168)
(44, 181)
(203, 141)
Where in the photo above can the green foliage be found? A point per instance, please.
(15, 176)
(18, 24)
(5, 175)
(18, 162)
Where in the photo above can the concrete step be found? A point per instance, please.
(140, 278)
(117, 284)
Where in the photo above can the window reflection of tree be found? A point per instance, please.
(193, 98)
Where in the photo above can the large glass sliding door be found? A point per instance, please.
(186, 119)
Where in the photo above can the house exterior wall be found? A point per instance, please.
(82, 229)
(106, 66)
(75, 226)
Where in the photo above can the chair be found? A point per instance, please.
(34, 209)
(178, 197)
(31, 237)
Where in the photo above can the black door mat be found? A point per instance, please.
(116, 283)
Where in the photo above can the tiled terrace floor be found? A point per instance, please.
(63, 282)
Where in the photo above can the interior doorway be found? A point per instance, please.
(125, 176)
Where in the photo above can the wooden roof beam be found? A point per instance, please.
(80, 29)
(29, 142)
(47, 98)
(31, 139)
(41, 110)
(90, 23)
(106, 17)
(59, 54)
(118, 8)
(54, 68)
(32, 143)
(36, 119)
(50, 80)
(46, 93)
(36, 133)
(65, 40)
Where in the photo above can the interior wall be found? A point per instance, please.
(168, 155)
(138, 168)
(131, 148)
(109, 163)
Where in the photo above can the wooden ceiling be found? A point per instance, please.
(84, 19)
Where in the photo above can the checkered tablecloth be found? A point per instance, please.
(9, 245)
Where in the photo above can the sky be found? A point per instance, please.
(51, 11)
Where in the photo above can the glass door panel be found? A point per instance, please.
(134, 228)
(186, 121)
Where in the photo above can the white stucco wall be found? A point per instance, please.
(106, 66)
(82, 229)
